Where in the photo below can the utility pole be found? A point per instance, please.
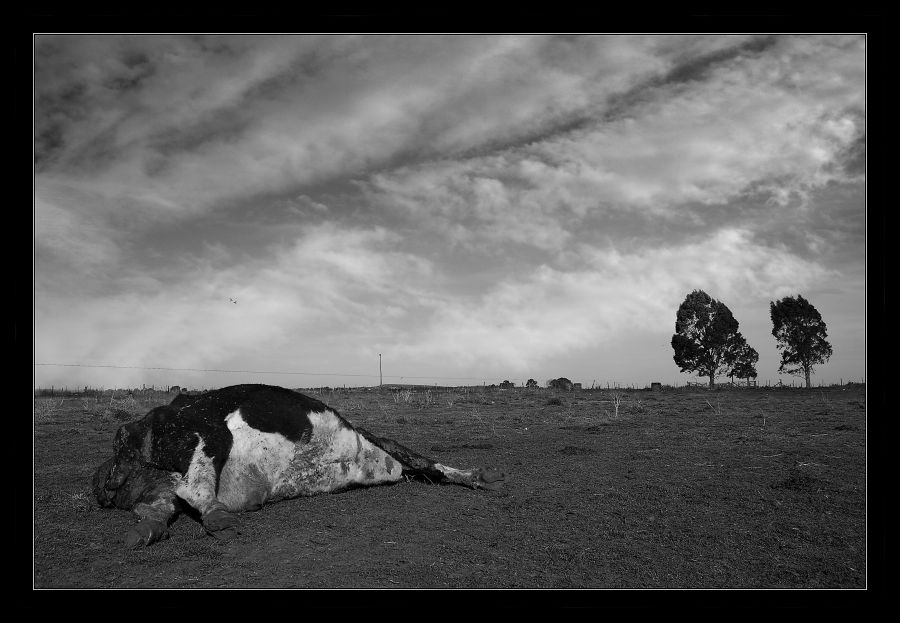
(380, 378)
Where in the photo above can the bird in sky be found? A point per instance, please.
(232, 300)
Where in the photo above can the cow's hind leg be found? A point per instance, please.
(417, 465)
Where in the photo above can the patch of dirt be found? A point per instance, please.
(577, 450)
(589, 429)
(797, 482)
(462, 446)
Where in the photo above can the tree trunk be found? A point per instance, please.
(712, 381)
(806, 372)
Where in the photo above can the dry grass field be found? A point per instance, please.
(761, 488)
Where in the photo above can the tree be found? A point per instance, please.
(800, 332)
(744, 365)
(706, 339)
(560, 383)
(531, 383)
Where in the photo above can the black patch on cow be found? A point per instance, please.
(414, 464)
(279, 410)
(173, 439)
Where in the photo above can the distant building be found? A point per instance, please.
(656, 387)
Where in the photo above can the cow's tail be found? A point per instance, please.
(416, 465)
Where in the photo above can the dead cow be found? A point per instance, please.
(237, 448)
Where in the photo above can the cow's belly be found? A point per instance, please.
(264, 467)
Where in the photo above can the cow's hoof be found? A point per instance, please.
(147, 532)
(218, 520)
(489, 478)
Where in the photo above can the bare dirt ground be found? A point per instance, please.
(756, 488)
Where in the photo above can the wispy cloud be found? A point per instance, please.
(751, 126)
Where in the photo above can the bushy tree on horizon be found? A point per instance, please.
(706, 340)
(531, 383)
(745, 358)
(560, 383)
(801, 336)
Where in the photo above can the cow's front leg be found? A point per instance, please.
(156, 515)
(198, 488)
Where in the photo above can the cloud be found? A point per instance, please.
(755, 124)
(197, 122)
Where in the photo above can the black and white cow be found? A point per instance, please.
(237, 448)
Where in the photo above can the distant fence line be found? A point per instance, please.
(517, 381)
(152, 390)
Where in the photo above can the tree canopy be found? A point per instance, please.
(745, 358)
(706, 339)
(560, 383)
(801, 336)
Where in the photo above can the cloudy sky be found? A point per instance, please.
(475, 208)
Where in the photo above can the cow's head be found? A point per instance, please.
(114, 473)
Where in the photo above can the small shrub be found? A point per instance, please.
(403, 396)
(617, 401)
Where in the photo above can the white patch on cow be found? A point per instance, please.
(257, 461)
(334, 458)
(198, 485)
(265, 467)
